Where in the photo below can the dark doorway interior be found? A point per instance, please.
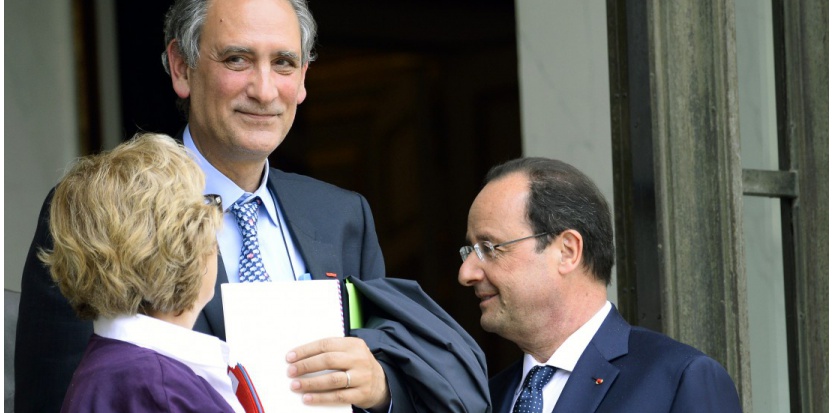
(409, 103)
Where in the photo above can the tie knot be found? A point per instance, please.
(246, 213)
(539, 376)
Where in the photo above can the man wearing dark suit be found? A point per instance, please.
(238, 68)
(540, 262)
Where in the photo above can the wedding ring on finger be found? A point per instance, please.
(347, 386)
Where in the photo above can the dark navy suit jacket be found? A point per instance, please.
(641, 371)
(438, 364)
(332, 228)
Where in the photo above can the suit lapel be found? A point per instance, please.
(502, 387)
(594, 374)
(213, 311)
(318, 256)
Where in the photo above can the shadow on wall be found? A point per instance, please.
(11, 300)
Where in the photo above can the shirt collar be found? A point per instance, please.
(567, 355)
(206, 355)
(219, 184)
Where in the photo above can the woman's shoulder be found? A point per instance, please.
(119, 376)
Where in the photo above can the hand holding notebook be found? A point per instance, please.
(264, 321)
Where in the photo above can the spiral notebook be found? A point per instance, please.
(266, 320)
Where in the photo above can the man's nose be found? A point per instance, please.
(470, 272)
(263, 86)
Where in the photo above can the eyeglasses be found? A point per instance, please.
(486, 246)
(214, 199)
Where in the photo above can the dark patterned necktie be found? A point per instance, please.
(531, 399)
(251, 263)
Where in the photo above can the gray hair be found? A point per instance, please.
(184, 22)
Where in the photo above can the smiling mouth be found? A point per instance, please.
(261, 116)
(485, 298)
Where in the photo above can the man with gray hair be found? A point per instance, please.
(238, 69)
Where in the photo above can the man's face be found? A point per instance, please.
(248, 81)
(518, 288)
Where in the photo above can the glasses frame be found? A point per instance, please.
(214, 199)
(478, 247)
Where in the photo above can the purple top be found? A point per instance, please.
(116, 376)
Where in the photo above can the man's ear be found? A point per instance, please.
(572, 248)
(302, 90)
(179, 70)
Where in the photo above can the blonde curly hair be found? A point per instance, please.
(132, 231)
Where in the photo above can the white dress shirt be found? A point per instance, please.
(283, 262)
(565, 358)
(206, 355)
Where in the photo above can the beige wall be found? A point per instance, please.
(41, 121)
(40, 129)
(565, 101)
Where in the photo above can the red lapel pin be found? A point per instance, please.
(599, 381)
(331, 274)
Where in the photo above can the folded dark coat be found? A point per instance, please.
(442, 367)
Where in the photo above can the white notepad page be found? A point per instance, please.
(264, 321)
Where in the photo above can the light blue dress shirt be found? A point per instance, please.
(281, 258)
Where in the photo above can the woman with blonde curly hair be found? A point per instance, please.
(135, 251)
